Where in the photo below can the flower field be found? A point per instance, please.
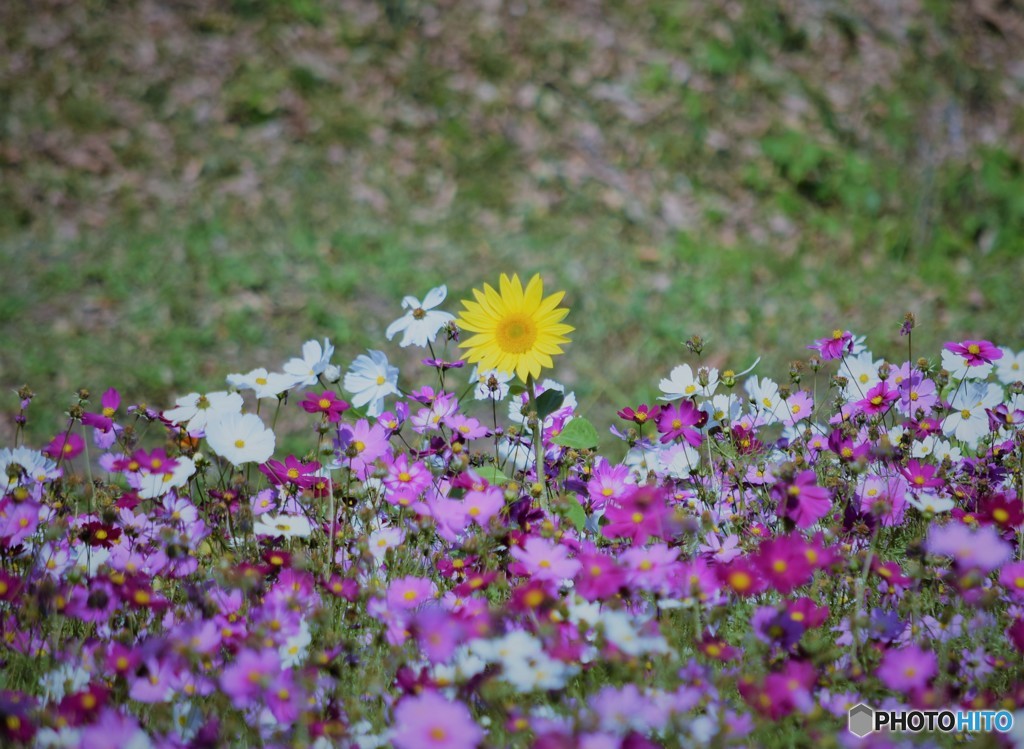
(450, 560)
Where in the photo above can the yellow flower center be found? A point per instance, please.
(325, 403)
(836, 335)
(239, 444)
(974, 349)
(516, 334)
(381, 379)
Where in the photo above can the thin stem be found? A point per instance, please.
(538, 441)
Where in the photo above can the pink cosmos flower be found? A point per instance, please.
(917, 393)
(292, 471)
(878, 399)
(360, 445)
(921, 475)
(836, 346)
(410, 591)
(599, 576)
(249, 676)
(543, 560)
(104, 420)
(430, 720)
(66, 446)
(907, 669)
(1011, 577)
(639, 515)
(802, 500)
(608, 482)
(799, 405)
(651, 567)
(483, 505)
(326, 403)
(721, 550)
(18, 520)
(466, 427)
(885, 497)
(783, 564)
(975, 353)
(406, 481)
(678, 419)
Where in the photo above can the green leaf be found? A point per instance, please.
(548, 402)
(516, 389)
(573, 512)
(492, 475)
(578, 433)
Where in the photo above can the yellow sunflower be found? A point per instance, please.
(516, 330)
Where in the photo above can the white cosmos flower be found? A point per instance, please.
(1010, 368)
(537, 672)
(930, 504)
(861, 373)
(764, 394)
(265, 384)
(483, 391)
(152, 485)
(370, 379)
(196, 410)
(421, 322)
(968, 421)
(305, 370)
(682, 383)
(241, 438)
(37, 466)
(289, 526)
(293, 651)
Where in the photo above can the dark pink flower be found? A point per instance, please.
(327, 403)
(678, 419)
(65, 446)
(104, 420)
(802, 500)
(292, 471)
(921, 475)
(878, 399)
(836, 346)
(975, 353)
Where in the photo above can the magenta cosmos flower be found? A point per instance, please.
(677, 421)
(327, 403)
(975, 353)
(835, 346)
(430, 720)
(802, 500)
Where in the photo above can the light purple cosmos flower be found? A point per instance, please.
(908, 668)
(428, 719)
(982, 549)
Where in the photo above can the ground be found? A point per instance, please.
(195, 188)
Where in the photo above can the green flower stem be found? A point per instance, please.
(538, 441)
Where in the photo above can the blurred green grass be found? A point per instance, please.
(192, 191)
